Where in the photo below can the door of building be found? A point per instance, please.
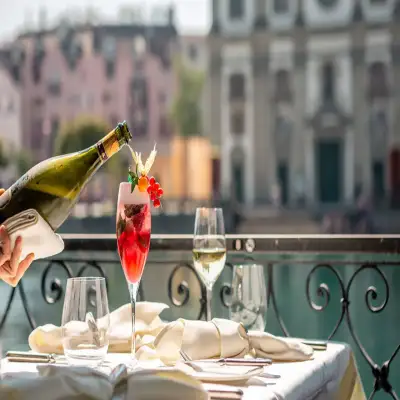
(329, 170)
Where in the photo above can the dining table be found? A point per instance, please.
(331, 374)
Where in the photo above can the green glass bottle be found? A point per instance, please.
(53, 186)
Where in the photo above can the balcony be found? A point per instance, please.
(339, 288)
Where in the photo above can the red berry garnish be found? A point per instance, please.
(160, 192)
(153, 197)
(152, 181)
(149, 189)
(156, 186)
(156, 203)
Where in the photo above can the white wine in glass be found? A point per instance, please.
(209, 248)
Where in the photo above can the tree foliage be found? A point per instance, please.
(23, 162)
(186, 112)
(80, 134)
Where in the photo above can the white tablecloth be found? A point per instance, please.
(320, 378)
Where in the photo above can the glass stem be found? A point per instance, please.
(133, 288)
(208, 303)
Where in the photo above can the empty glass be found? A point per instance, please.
(249, 296)
(85, 321)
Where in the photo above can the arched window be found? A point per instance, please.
(281, 6)
(378, 124)
(378, 85)
(282, 86)
(236, 87)
(236, 9)
(328, 83)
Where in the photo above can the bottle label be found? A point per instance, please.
(108, 146)
(102, 151)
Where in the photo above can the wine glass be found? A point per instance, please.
(133, 239)
(85, 321)
(209, 248)
(249, 296)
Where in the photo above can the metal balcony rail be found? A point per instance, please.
(373, 253)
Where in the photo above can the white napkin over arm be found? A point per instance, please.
(37, 235)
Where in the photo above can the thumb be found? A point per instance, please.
(1, 191)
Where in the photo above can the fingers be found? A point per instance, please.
(1, 191)
(22, 267)
(5, 245)
(15, 256)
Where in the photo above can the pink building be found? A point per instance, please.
(10, 126)
(116, 72)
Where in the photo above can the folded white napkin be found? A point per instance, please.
(199, 339)
(79, 383)
(37, 235)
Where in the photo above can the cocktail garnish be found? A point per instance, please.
(140, 178)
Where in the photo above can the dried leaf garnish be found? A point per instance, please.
(150, 161)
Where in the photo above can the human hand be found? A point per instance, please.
(11, 270)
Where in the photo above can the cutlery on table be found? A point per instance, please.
(316, 345)
(247, 362)
(221, 392)
(39, 358)
(258, 363)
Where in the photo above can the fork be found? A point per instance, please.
(228, 361)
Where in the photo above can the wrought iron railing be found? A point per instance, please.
(345, 258)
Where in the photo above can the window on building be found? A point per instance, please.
(54, 128)
(110, 69)
(328, 83)
(378, 124)
(236, 9)
(164, 127)
(281, 6)
(236, 87)
(378, 84)
(237, 122)
(193, 52)
(106, 97)
(37, 134)
(283, 126)
(10, 105)
(282, 86)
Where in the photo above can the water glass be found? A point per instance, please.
(249, 296)
(85, 321)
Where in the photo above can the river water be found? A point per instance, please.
(378, 332)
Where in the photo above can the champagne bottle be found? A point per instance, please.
(53, 186)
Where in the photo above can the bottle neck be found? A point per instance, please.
(113, 142)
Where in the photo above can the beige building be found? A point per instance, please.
(303, 95)
(10, 124)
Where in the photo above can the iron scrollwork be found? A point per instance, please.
(380, 373)
(183, 290)
(55, 285)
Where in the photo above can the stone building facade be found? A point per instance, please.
(305, 94)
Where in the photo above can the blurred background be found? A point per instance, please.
(285, 112)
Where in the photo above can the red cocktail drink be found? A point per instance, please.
(133, 231)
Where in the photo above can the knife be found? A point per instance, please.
(29, 357)
(219, 392)
(248, 362)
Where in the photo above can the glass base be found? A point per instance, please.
(133, 364)
(86, 358)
